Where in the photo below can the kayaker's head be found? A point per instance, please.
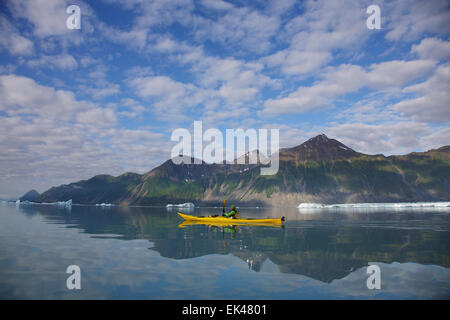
(233, 207)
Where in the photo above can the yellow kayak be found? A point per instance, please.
(221, 220)
(228, 223)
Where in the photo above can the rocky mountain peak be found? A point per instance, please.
(320, 148)
(320, 138)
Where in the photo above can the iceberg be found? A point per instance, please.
(310, 206)
(104, 204)
(184, 207)
(22, 202)
(181, 205)
(394, 205)
(67, 203)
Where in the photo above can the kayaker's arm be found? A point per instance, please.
(230, 214)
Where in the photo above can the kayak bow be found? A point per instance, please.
(220, 219)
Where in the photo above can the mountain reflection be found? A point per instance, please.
(325, 247)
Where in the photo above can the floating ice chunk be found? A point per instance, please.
(67, 203)
(394, 205)
(181, 205)
(310, 205)
(184, 207)
(104, 204)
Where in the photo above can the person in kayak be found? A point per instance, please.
(233, 214)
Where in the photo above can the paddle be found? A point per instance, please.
(223, 229)
(223, 209)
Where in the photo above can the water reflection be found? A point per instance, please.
(324, 247)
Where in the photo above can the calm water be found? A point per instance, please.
(142, 253)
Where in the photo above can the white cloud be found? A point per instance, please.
(313, 37)
(280, 7)
(132, 107)
(236, 81)
(409, 19)
(398, 72)
(38, 100)
(19, 45)
(135, 38)
(61, 61)
(50, 137)
(47, 16)
(432, 48)
(171, 99)
(159, 86)
(294, 62)
(108, 89)
(349, 78)
(436, 139)
(369, 110)
(46, 20)
(165, 44)
(12, 41)
(432, 103)
(220, 84)
(164, 12)
(98, 116)
(239, 26)
(216, 4)
(388, 138)
(329, 25)
(87, 60)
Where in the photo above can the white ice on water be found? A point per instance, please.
(395, 205)
(67, 203)
(181, 205)
(104, 204)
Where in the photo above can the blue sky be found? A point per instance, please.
(106, 98)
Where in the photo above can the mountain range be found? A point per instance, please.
(321, 170)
